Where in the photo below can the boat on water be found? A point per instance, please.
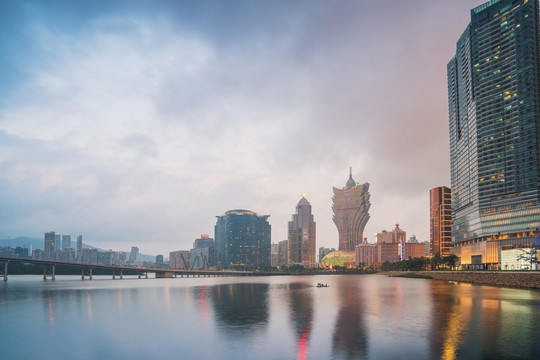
(322, 285)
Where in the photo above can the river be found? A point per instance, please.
(278, 317)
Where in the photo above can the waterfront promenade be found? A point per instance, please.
(519, 279)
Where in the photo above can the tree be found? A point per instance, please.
(450, 260)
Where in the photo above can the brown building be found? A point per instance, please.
(366, 254)
(414, 250)
(302, 235)
(440, 220)
(179, 259)
(350, 206)
(387, 252)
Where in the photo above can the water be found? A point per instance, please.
(356, 317)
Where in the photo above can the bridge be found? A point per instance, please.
(117, 271)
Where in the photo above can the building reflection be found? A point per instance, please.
(301, 313)
(240, 308)
(350, 334)
(201, 295)
(475, 321)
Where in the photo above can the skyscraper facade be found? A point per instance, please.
(494, 113)
(440, 220)
(242, 238)
(66, 241)
(302, 235)
(79, 248)
(49, 245)
(350, 206)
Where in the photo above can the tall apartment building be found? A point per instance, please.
(302, 235)
(49, 245)
(66, 241)
(440, 220)
(494, 116)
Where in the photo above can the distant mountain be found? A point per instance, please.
(39, 243)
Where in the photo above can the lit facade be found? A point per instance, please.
(302, 235)
(351, 213)
(242, 238)
(440, 220)
(494, 116)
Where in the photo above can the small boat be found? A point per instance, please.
(322, 285)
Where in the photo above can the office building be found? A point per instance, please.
(350, 206)
(179, 259)
(440, 220)
(242, 238)
(66, 241)
(49, 245)
(79, 247)
(134, 254)
(205, 241)
(274, 255)
(283, 253)
(302, 235)
(494, 116)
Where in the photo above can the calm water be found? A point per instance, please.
(357, 317)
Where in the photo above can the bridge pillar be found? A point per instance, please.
(90, 276)
(50, 273)
(5, 273)
(82, 273)
(121, 274)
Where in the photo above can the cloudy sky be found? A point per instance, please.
(137, 122)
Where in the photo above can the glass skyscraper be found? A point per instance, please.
(493, 100)
(242, 238)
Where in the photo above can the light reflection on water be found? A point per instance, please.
(357, 317)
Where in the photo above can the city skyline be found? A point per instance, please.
(139, 123)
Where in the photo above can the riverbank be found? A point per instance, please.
(519, 279)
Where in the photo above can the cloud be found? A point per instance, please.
(138, 126)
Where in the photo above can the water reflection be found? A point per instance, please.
(301, 313)
(482, 322)
(350, 335)
(240, 308)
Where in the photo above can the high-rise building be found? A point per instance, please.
(350, 206)
(242, 238)
(366, 254)
(274, 255)
(66, 241)
(205, 241)
(49, 245)
(134, 254)
(79, 248)
(179, 259)
(302, 235)
(494, 115)
(283, 252)
(57, 241)
(440, 220)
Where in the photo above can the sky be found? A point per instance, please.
(136, 123)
